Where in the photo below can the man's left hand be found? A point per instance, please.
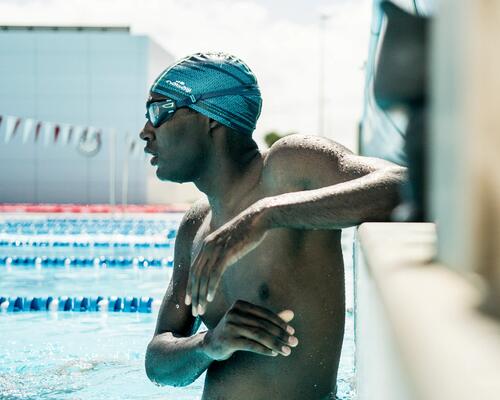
(221, 249)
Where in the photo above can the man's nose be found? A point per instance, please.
(147, 133)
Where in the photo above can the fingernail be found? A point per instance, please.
(274, 354)
(286, 350)
(290, 330)
(187, 300)
(195, 312)
(210, 297)
(286, 315)
(293, 341)
(200, 310)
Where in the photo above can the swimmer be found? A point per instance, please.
(259, 262)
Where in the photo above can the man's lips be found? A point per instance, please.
(154, 160)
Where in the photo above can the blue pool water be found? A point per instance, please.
(96, 355)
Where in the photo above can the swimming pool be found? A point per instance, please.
(96, 355)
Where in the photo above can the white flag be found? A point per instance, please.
(77, 134)
(64, 134)
(48, 133)
(90, 133)
(28, 126)
(11, 125)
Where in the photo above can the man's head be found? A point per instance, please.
(191, 98)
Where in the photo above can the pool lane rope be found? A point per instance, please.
(79, 304)
(102, 261)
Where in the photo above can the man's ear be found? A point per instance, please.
(213, 125)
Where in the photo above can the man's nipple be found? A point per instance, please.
(264, 292)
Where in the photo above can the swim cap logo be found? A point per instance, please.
(179, 85)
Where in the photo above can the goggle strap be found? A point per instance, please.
(253, 89)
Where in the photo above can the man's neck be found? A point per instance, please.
(226, 183)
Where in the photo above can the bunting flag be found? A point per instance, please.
(92, 134)
(64, 134)
(78, 132)
(37, 130)
(89, 139)
(28, 125)
(48, 129)
(11, 125)
(56, 133)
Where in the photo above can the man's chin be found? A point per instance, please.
(164, 177)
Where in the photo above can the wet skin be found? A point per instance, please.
(250, 350)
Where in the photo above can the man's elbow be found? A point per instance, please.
(151, 365)
(394, 178)
(398, 174)
(156, 371)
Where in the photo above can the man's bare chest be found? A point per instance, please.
(261, 277)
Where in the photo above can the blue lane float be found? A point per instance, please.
(47, 243)
(102, 261)
(77, 304)
(71, 226)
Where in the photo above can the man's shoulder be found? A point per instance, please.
(292, 146)
(294, 158)
(192, 220)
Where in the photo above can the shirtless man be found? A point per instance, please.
(260, 263)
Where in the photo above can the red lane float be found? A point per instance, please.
(91, 208)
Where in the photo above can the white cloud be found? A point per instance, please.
(283, 52)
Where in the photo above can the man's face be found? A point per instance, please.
(179, 145)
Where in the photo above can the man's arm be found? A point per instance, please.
(340, 189)
(335, 189)
(175, 356)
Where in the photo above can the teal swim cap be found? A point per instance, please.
(217, 85)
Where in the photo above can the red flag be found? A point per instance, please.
(56, 133)
(37, 130)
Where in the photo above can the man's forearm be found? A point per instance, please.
(368, 198)
(176, 361)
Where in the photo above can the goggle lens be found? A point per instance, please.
(160, 111)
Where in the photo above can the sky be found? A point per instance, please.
(278, 39)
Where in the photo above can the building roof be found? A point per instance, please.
(65, 28)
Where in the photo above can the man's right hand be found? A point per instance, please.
(248, 327)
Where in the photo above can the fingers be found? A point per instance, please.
(195, 278)
(195, 286)
(214, 279)
(259, 329)
(211, 272)
(189, 287)
(246, 344)
(264, 338)
(264, 313)
(263, 326)
(286, 315)
(207, 266)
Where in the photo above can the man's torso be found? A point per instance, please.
(291, 269)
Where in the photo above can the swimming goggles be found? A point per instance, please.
(160, 111)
